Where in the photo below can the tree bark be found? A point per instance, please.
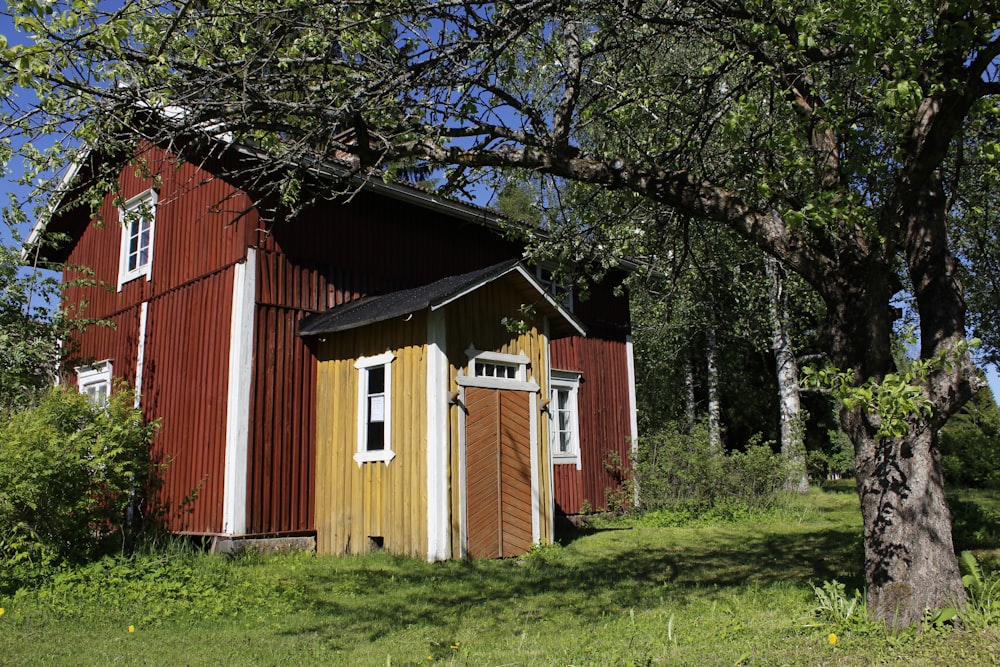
(714, 404)
(790, 408)
(689, 402)
(910, 563)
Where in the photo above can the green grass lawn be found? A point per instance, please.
(623, 594)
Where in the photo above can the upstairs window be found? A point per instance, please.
(561, 289)
(375, 408)
(95, 381)
(138, 221)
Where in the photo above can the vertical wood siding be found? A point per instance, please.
(185, 382)
(201, 225)
(374, 245)
(355, 503)
(280, 494)
(603, 402)
(477, 319)
(202, 228)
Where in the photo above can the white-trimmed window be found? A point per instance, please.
(138, 221)
(375, 408)
(564, 417)
(560, 290)
(95, 381)
(497, 365)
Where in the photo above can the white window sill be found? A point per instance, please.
(567, 460)
(383, 455)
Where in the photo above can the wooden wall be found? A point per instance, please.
(202, 230)
(477, 319)
(185, 386)
(375, 499)
(605, 420)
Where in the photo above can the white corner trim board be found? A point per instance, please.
(438, 526)
(234, 502)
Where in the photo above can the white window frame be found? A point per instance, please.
(364, 365)
(569, 382)
(95, 381)
(130, 214)
(562, 293)
(484, 359)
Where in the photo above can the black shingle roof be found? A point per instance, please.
(398, 304)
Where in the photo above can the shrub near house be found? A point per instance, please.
(68, 471)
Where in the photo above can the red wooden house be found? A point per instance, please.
(208, 309)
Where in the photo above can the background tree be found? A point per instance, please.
(826, 133)
(30, 331)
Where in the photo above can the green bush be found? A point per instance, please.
(69, 471)
(682, 472)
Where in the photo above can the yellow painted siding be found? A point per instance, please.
(390, 501)
(477, 320)
(375, 499)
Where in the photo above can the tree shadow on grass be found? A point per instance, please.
(369, 597)
(972, 526)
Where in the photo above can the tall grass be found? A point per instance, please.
(739, 593)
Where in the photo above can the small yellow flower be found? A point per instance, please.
(131, 628)
(832, 638)
(1, 611)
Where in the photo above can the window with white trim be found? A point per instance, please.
(564, 417)
(95, 381)
(375, 408)
(138, 222)
(499, 365)
(561, 289)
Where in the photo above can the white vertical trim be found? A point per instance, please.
(463, 506)
(633, 410)
(536, 501)
(140, 352)
(547, 428)
(438, 547)
(234, 502)
(632, 405)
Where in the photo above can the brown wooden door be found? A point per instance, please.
(497, 472)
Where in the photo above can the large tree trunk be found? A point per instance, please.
(910, 563)
(792, 444)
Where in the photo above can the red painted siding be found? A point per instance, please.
(605, 420)
(185, 385)
(200, 232)
(281, 471)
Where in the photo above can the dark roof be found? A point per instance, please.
(435, 295)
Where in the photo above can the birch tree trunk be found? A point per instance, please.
(790, 408)
(714, 403)
(689, 403)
